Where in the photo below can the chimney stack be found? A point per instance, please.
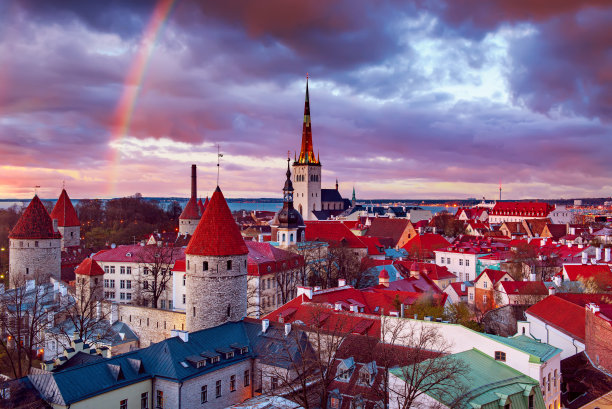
(607, 253)
(194, 182)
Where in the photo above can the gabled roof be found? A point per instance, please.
(457, 288)
(89, 267)
(562, 314)
(217, 233)
(426, 243)
(586, 271)
(191, 210)
(330, 195)
(264, 258)
(135, 253)
(333, 232)
(201, 206)
(524, 287)
(541, 350)
(64, 211)
(34, 223)
(525, 209)
(387, 227)
(493, 275)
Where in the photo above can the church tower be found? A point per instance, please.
(288, 225)
(216, 269)
(68, 222)
(34, 246)
(307, 171)
(190, 217)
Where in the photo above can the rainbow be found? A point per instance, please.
(133, 83)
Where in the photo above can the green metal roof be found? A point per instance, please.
(489, 383)
(538, 351)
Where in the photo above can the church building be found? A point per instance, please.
(312, 202)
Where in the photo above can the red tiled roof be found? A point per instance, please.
(34, 223)
(374, 245)
(264, 255)
(217, 233)
(586, 271)
(525, 209)
(64, 211)
(494, 275)
(524, 287)
(89, 267)
(135, 253)
(561, 314)
(180, 266)
(201, 206)
(191, 210)
(386, 227)
(434, 271)
(457, 287)
(426, 243)
(333, 232)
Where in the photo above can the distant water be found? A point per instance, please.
(233, 205)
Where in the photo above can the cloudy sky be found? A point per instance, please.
(409, 99)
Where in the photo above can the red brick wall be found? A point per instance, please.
(598, 334)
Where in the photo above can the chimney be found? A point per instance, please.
(532, 276)
(184, 335)
(585, 257)
(341, 282)
(307, 291)
(265, 324)
(98, 310)
(55, 225)
(462, 287)
(194, 182)
(287, 329)
(558, 280)
(594, 308)
(552, 290)
(260, 238)
(114, 315)
(607, 253)
(598, 253)
(572, 230)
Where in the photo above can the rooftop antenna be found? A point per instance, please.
(219, 156)
(500, 190)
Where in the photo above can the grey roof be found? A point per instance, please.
(165, 359)
(102, 333)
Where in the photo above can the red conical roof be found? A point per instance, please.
(383, 274)
(34, 223)
(191, 210)
(64, 211)
(201, 206)
(89, 267)
(217, 233)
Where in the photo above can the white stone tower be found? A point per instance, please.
(307, 171)
(190, 217)
(68, 222)
(34, 246)
(216, 269)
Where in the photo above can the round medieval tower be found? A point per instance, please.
(216, 269)
(34, 246)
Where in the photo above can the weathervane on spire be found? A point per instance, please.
(307, 76)
(36, 190)
(219, 156)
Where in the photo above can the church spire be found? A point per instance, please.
(307, 155)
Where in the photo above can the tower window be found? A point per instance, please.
(229, 264)
(205, 266)
(194, 312)
(229, 310)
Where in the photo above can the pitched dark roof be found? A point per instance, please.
(34, 223)
(330, 195)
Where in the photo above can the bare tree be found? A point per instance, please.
(427, 367)
(314, 255)
(302, 370)
(24, 313)
(86, 318)
(156, 262)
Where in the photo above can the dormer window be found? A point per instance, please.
(364, 378)
(500, 356)
(229, 355)
(215, 359)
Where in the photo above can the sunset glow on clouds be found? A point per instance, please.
(436, 99)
